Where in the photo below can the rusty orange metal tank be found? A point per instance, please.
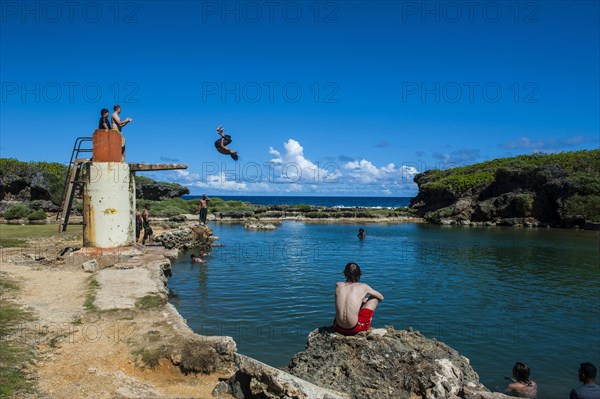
(106, 146)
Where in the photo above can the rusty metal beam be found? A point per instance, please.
(134, 167)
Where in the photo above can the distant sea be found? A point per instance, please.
(330, 202)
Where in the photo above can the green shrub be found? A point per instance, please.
(523, 204)
(587, 206)
(301, 207)
(198, 356)
(37, 215)
(317, 215)
(17, 211)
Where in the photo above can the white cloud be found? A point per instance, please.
(366, 172)
(294, 168)
(291, 171)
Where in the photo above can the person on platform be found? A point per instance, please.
(355, 303)
(118, 124)
(104, 122)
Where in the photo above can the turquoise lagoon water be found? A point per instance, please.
(496, 295)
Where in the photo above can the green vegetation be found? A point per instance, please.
(151, 356)
(150, 302)
(562, 189)
(12, 353)
(37, 215)
(17, 235)
(21, 211)
(170, 207)
(302, 207)
(586, 206)
(17, 211)
(91, 295)
(462, 179)
(524, 204)
(52, 173)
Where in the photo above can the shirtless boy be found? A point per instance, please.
(222, 143)
(354, 303)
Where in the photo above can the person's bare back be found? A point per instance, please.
(354, 302)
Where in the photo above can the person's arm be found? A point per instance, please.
(104, 124)
(375, 293)
(119, 122)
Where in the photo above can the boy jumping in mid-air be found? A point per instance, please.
(222, 143)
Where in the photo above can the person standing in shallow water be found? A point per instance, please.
(354, 303)
(520, 386)
(203, 209)
(589, 389)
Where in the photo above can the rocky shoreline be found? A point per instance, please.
(163, 358)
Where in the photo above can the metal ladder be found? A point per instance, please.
(73, 180)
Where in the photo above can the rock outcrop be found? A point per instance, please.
(386, 364)
(561, 190)
(187, 237)
(257, 380)
(149, 189)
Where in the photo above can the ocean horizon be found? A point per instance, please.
(328, 201)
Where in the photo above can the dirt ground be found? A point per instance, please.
(83, 353)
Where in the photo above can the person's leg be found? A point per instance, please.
(146, 235)
(371, 304)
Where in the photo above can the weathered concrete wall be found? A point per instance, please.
(108, 205)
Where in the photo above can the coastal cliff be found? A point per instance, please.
(558, 190)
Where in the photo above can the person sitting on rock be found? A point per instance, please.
(222, 143)
(197, 259)
(520, 386)
(354, 303)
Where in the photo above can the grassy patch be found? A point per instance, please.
(12, 354)
(12, 235)
(151, 356)
(153, 336)
(91, 295)
(149, 302)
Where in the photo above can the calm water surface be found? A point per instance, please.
(496, 295)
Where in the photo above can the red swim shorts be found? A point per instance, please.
(364, 323)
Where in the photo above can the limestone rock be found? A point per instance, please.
(256, 380)
(384, 364)
(149, 189)
(91, 266)
(259, 226)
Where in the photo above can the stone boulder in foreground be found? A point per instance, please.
(387, 363)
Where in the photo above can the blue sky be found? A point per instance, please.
(321, 97)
